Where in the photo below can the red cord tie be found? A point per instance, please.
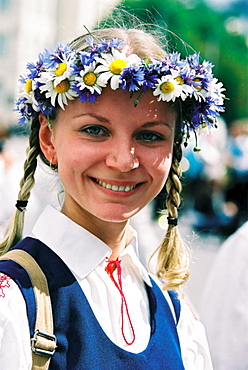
(4, 283)
(110, 268)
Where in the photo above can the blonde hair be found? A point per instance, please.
(172, 254)
(15, 228)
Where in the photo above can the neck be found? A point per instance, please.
(118, 238)
(116, 235)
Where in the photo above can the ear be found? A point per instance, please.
(46, 137)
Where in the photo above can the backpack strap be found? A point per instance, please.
(43, 343)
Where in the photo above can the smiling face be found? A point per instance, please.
(113, 158)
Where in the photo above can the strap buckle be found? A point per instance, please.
(43, 344)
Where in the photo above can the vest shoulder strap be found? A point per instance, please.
(43, 343)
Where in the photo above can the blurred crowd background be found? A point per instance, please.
(215, 195)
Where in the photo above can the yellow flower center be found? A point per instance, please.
(61, 69)
(28, 86)
(62, 87)
(180, 80)
(197, 79)
(117, 66)
(167, 87)
(90, 78)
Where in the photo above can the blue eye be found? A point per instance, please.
(95, 130)
(150, 136)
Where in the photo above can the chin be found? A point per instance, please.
(118, 217)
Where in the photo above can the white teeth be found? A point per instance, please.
(115, 187)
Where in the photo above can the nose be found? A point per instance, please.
(122, 158)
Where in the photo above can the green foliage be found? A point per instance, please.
(198, 26)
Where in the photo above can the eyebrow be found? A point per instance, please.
(105, 120)
(99, 118)
(156, 123)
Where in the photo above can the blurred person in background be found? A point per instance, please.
(6, 162)
(205, 180)
(224, 303)
(237, 162)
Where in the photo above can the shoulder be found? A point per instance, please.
(12, 304)
(191, 332)
(193, 340)
(10, 295)
(14, 327)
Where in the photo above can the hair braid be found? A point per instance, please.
(15, 228)
(173, 255)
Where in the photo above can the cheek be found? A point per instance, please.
(164, 169)
(161, 163)
(160, 170)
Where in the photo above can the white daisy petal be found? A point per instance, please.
(168, 89)
(114, 82)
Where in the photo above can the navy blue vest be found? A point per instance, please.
(82, 344)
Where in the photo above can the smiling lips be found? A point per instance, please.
(125, 188)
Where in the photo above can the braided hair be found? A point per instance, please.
(173, 254)
(15, 228)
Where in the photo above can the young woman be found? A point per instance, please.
(110, 115)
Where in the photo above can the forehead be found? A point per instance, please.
(117, 103)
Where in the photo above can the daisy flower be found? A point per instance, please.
(62, 72)
(62, 53)
(112, 64)
(88, 79)
(59, 92)
(199, 93)
(60, 64)
(26, 91)
(186, 90)
(215, 91)
(168, 88)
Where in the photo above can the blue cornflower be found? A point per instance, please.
(174, 58)
(203, 113)
(115, 43)
(212, 108)
(107, 45)
(25, 109)
(44, 104)
(47, 108)
(90, 41)
(85, 96)
(93, 48)
(132, 78)
(151, 75)
(193, 60)
(164, 67)
(84, 59)
(34, 69)
(61, 53)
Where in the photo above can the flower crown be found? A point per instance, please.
(65, 74)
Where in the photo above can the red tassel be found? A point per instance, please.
(110, 268)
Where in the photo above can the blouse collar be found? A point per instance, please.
(77, 247)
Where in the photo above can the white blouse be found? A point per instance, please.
(86, 256)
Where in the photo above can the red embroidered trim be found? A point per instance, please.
(4, 283)
(110, 268)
